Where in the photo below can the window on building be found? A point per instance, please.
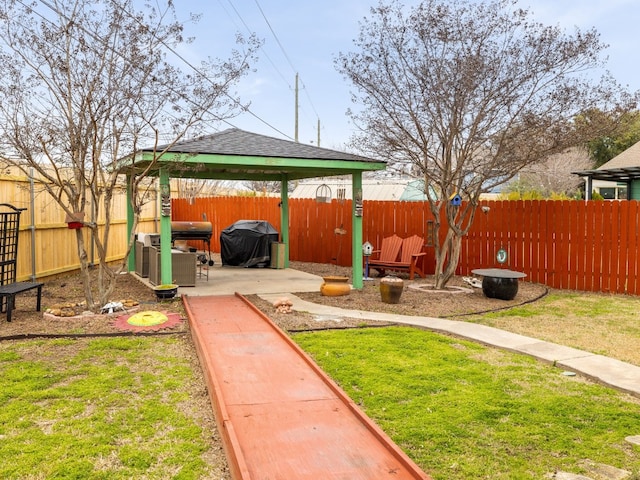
(622, 193)
(618, 192)
(608, 193)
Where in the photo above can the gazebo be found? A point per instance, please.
(235, 154)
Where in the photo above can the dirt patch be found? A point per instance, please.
(418, 299)
(68, 290)
(459, 299)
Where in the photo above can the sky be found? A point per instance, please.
(305, 37)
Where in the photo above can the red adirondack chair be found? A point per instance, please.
(400, 255)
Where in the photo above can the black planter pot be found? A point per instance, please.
(501, 288)
(165, 292)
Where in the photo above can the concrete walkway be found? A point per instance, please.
(608, 371)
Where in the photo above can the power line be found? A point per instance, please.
(284, 52)
(286, 56)
(306, 91)
(275, 36)
(250, 32)
(169, 48)
(277, 70)
(66, 18)
(195, 69)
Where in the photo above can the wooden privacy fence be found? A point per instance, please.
(46, 246)
(592, 246)
(312, 229)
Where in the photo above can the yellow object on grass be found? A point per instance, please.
(147, 318)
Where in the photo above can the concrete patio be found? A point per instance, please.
(227, 280)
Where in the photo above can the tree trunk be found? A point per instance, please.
(108, 273)
(106, 283)
(447, 257)
(85, 273)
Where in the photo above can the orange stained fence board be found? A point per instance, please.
(282, 417)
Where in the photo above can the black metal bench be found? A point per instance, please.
(10, 291)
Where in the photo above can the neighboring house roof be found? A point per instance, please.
(415, 192)
(371, 190)
(629, 158)
(621, 168)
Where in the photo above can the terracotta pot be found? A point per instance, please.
(391, 289)
(335, 286)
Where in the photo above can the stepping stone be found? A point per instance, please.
(327, 318)
(604, 472)
(635, 439)
(567, 476)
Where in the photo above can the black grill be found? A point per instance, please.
(191, 231)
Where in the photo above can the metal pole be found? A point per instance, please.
(296, 113)
(32, 228)
(94, 221)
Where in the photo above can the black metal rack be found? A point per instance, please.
(9, 230)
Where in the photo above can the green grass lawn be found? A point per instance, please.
(114, 408)
(464, 411)
(123, 408)
(599, 323)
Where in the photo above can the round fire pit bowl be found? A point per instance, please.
(499, 283)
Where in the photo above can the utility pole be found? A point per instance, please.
(296, 121)
(318, 131)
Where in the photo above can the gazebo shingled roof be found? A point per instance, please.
(234, 141)
(235, 154)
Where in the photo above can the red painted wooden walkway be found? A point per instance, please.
(280, 416)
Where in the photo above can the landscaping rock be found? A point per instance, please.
(635, 439)
(604, 472)
(567, 476)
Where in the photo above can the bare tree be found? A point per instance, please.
(553, 176)
(263, 186)
(86, 82)
(192, 188)
(470, 93)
